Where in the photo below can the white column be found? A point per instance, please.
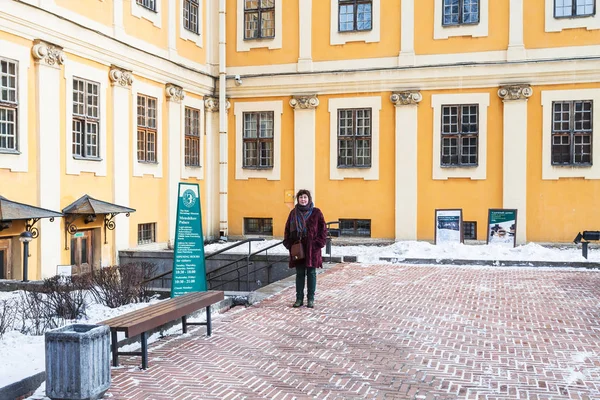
(514, 188)
(516, 46)
(174, 96)
(121, 81)
(406, 163)
(407, 37)
(305, 142)
(211, 107)
(48, 59)
(305, 34)
(172, 28)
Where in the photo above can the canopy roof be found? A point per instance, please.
(87, 205)
(12, 211)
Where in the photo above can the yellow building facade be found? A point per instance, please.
(385, 110)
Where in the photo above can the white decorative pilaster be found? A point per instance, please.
(121, 81)
(516, 46)
(118, 27)
(514, 188)
(212, 210)
(172, 24)
(305, 142)
(407, 34)
(48, 61)
(175, 95)
(406, 163)
(305, 34)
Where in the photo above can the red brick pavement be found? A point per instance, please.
(393, 332)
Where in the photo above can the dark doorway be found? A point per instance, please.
(2, 255)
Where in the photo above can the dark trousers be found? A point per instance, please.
(302, 272)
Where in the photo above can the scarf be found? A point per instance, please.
(299, 218)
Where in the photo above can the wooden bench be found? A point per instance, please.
(139, 322)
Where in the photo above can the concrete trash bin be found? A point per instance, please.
(77, 362)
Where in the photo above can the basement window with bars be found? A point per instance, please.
(470, 230)
(147, 233)
(355, 227)
(460, 135)
(258, 226)
(572, 133)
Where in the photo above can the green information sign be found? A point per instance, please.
(189, 270)
(502, 227)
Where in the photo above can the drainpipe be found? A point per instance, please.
(223, 168)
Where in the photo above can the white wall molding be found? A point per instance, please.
(305, 142)
(368, 174)
(19, 162)
(407, 37)
(476, 30)
(305, 34)
(480, 171)
(142, 168)
(371, 36)
(272, 43)
(238, 110)
(516, 46)
(549, 171)
(75, 166)
(174, 137)
(142, 12)
(212, 166)
(189, 35)
(591, 22)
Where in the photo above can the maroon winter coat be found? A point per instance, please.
(314, 241)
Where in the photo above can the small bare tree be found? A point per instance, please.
(8, 311)
(119, 285)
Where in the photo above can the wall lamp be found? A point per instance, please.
(5, 225)
(25, 238)
(90, 218)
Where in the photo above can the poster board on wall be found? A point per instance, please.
(502, 227)
(448, 226)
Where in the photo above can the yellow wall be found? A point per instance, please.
(263, 56)
(143, 29)
(186, 48)
(497, 38)
(535, 37)
(388, 46)
(556, 209)
(96, 10)
(475, 197)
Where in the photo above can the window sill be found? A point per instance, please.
(95, 159)
(574, 17)
(459, 25)
(258, 168)
(458, 166)
(572, 165)
(261, 39)
(355, 31)
(146, 8)
(353, 167)
(10, 152)
(191, 32)
(148, 162)
(193, 166)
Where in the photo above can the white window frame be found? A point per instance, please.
(143, 168)
(591, 22)
(368, 174)
(271, 174)
(554, 172)
(18, 161)
(372, 36)
(478, 172)
(271, 43)
(192, 172)
(476, 30)
(75, 166)
(142, 12)
(189, 35)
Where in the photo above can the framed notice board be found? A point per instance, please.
(502, 227)
(448, 226)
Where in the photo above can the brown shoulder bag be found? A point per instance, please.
(297, 251)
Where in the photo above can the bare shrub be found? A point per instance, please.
(35, 315)
(8, 312)
(122, 284)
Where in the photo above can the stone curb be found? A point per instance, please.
(492, 263)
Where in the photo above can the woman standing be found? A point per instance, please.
(307, 225)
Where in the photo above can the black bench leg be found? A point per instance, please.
(184, 324)
(144, 351)
(115, 348)
(208, 324)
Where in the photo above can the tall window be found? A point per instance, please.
(86, 118)
(258, 140)
(460, 134)
(355, 15)
(574, 8)
(8, 105)
(149, 4)
(190, 15)
(354, 138)
(147, 233)
(259, 19)
(461, 12)
(192, 137)
(572, 132)
(146, 128)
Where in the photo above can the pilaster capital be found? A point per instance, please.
(406, 98)
(121, 77)
(48, 54)
(515, 92)
(211, 104)
(304, 102)
(174, 93)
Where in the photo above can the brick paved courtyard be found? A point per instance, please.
(392, 332)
